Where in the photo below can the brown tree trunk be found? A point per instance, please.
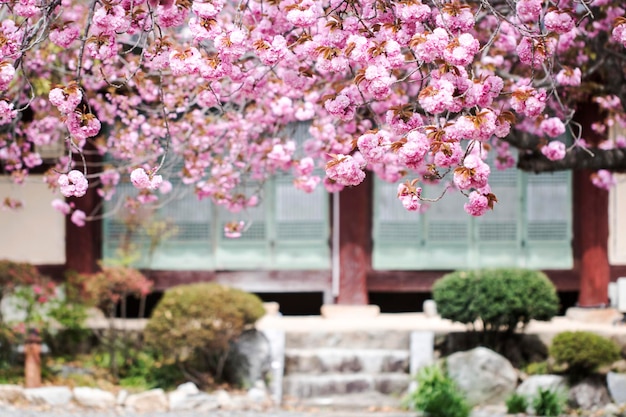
(355, 242)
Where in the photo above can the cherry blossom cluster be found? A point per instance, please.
(413, 91)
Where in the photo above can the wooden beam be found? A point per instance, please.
(284, 281)
(422, 281)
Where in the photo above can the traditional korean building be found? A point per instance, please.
(348, 248)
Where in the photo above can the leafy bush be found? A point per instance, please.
(538, 368)
(516, 404)
(437, 395)
(549, 402)
(194, 325)
(583, 352)
(500, 298)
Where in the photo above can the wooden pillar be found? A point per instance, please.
(591, 225)
(591, 234)
(355, 242)
(83, 245)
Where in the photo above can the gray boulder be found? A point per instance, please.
(483, 375)
(589, 394)
(250, 359)
(616, 384)
(55, 396)
(188, 397)
(148, 401)
(93, 397)
(533, 383)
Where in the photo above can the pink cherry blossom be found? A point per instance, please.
(409, 196)
(142, 180)
(569, 77)
(345, 170)
(603, 179)
(528, 10)
(553, 127)
(477, 204)
(234, 229)
(61, 206)
(7, 72)
(79, 218)
(66, 99)
(554, 151)
(559, 21)
(73, 184)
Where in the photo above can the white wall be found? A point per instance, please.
(617, 222)
(36, 232)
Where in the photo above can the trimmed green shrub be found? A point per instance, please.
(500, 298)
(516, 404)
(583, 352)
(194, 326)
(549, 402)
(437, 395)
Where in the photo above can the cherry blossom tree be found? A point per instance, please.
(413, 90)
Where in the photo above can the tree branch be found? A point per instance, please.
(576, 158)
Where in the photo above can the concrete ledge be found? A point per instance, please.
(593, 315)
(340, 311)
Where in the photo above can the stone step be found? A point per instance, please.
(362, 403)
(303, 386)
(376, 339)
(338, 360)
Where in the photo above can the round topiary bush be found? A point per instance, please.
(500, 298)
(194, 325)
(583, 352)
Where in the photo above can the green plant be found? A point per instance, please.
(437, 395)
(107, 290)
(538, 368)
(194, 326)
(583, 352)
(516, 404)
(549, 402)
(499, 298)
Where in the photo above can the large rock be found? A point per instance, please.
(56, 396)
(532, 384)
(188, 397)
(94, 397)
(148, 401)
(11, 393)
(617, 386)
(483, 375)
(589, 394)
(250, 359)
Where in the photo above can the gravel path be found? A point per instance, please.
(16, 412)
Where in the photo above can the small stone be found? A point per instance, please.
(257, 395)
(206, 402)
(121, 397)
(149, 401)
(94, 397)
(188, 388)
(55, 396)
(224, 399)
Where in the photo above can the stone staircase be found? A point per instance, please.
(349, 369)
